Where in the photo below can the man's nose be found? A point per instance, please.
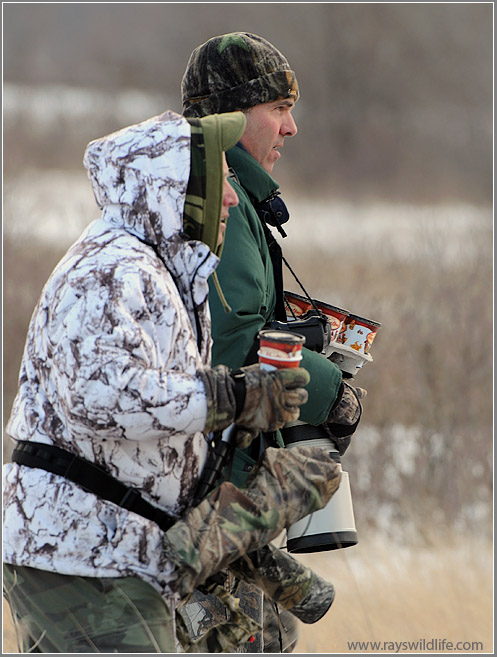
(288, 127)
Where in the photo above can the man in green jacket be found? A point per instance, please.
(242, 71)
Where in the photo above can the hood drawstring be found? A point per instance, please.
(226, 306)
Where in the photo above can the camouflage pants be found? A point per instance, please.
(209, 623)
(62, 613)
(281, 629)
(204, 618)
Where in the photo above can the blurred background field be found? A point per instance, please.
(389, 184)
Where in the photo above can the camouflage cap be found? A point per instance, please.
(234, 72)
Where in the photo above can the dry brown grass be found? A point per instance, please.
(432, 372)
(388, 594)
(430, 385)
(9, 635)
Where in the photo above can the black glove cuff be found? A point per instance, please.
(341, 390)
(240, 391)
(340, 442)
(342, 430)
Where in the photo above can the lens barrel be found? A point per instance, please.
(333, 527)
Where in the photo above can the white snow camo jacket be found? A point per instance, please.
(110, 363)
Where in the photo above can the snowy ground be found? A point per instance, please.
(55, 206)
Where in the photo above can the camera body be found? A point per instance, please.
(313, 326)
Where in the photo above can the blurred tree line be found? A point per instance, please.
(396, 97)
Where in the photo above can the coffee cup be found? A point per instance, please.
(296, 305)
(335, 316)
(358, 333)
(279, 349)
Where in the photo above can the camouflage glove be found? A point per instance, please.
(220, 390)
(272, 398)
(345, 416)
(257, 400)
(231, 522)
(288, 582)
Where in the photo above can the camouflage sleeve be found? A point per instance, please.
(285, 580)
(231, 522)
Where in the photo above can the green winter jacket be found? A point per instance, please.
(245, 273)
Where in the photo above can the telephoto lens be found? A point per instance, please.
(333, 527)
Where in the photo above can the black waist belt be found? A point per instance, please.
(91, 477)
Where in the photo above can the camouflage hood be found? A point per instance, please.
(141, 175)
(211, 136)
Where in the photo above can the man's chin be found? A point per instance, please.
(273, 158)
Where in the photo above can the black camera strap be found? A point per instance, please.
(91, 477)
(273, 212)
(287, 264)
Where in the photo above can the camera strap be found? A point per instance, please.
(91, 477)
(273, 212)
(287, 264)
